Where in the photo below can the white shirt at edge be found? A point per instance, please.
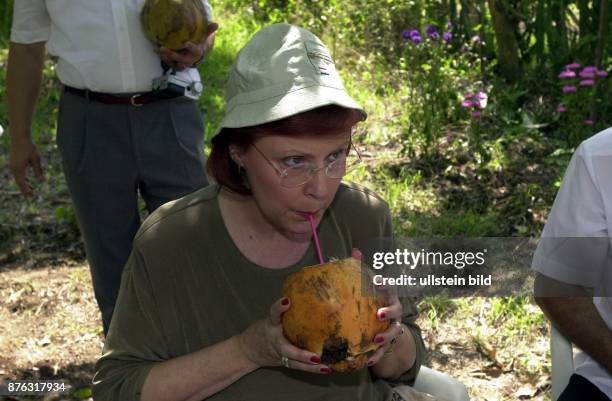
(583, 208)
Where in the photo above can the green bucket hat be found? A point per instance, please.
(282, 71)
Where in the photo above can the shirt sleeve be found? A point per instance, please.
(31, 22)
(134, 342)
(574, 246)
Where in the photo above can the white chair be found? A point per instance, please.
(562, 361)
(440, 385)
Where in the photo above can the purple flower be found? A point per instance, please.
(587, 73)
(561, 109)
(416, 39)
(476, 40)
(588, 122)
(573, 66)
(587, 82)
(430, 29)
(447, 36)
(406, 33)
(590, 68)
(469, 95)
(465, 49)
(449, 25)
(569, 89)
(601, 73)
(476, 114)
(567, 74)
(467, 103)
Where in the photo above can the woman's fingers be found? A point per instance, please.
(308, 366)
(377, 356)
(277, 309)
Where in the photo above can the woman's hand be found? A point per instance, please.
(393, 314)
(264, 344)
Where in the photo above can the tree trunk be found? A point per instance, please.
(507, 45)
(601, 34)
(585, 18)
(541, 24)
(557, 35)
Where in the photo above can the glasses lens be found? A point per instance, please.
(294, 177)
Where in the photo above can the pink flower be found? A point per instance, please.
(469, 95)
(587, 82)
(573, 66)
(602, 73)
(588, 122)
(561, 109)
(567, 74)
(590, 68)
(467, 103)
(569, 89)
(587, 74)
(476, 114)
(481, 103)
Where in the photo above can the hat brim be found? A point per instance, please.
(252, 113)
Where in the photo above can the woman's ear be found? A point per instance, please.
(236, 154)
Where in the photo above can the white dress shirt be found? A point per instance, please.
(99, 44)
(576, 241)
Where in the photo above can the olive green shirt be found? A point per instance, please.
(186, 286)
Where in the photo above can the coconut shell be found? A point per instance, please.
(171, 23)
(331, 315)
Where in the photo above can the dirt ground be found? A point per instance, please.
(50, 329)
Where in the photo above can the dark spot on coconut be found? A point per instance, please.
(335, 349)
(365, 341)
(321, 287)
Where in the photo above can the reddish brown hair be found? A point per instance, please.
(323, 120)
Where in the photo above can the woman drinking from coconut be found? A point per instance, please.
(200, 308)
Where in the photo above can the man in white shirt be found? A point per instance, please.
(574, 264)
(116, 137)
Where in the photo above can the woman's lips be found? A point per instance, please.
(306, 214)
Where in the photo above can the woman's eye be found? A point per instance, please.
(294, 161)
(339, 154)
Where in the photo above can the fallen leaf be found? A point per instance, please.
(524, 393)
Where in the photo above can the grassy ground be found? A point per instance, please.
(49, 325)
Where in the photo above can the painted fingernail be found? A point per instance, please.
(382, 315)
(378, 339)
(285, 301)
(315, 359)
(370, 363)
(325, 370)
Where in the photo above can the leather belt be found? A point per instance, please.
(137, 99)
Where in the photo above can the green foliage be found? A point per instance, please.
(6, 15)
(436, 307)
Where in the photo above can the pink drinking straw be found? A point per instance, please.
(316, 237)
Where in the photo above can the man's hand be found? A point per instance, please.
(24, 76)
(23, 154)
(192, 52)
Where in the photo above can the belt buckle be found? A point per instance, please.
(133, 101)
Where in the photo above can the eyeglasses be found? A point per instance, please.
(302, 171)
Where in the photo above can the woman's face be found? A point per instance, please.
(286, 209)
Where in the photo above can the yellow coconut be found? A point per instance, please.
(171, 23)
(331, 315)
